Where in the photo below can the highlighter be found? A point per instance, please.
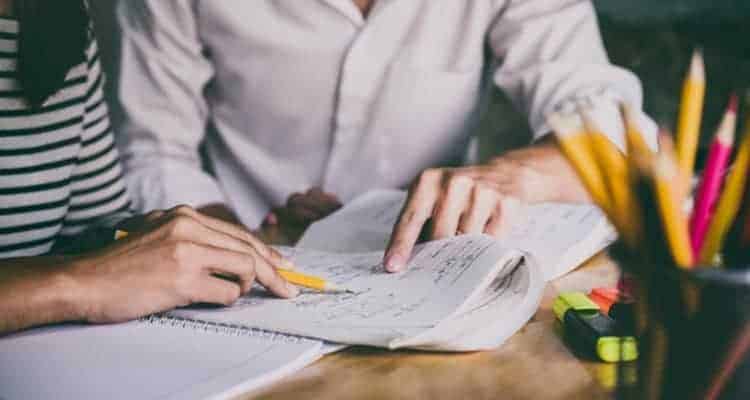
(615, 304)
(592, 332)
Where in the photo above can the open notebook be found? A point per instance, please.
(460, 294)
(154, 358)
(558, 237)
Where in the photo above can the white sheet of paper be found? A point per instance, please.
(140, 360)
(504, 308)
(558, 236)
(443, 277)
(365, 224)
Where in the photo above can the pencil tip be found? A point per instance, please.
(734, 102)
(697, 64)
(726, 131)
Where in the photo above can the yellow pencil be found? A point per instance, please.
(295, 278)
(614, 167)
(729, 203)
(673, 218)
(691, 112)
(636, 145)
(311, 282)
(667, 150)
(576, 145)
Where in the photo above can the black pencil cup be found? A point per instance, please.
(693, 330)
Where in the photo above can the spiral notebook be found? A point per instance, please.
(154, 358)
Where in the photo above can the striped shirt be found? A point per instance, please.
(59, 168)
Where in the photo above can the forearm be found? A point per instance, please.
(546, 175)
(557, 61)
(36, 291)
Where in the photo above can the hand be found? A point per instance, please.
(301, 210)
(176, 258)
(220, 211)
(480, 199)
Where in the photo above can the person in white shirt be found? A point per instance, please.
(301, 104)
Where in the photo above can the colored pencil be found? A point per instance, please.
(713, 177)
(311, 282)
(691, 112)
(633, 134)
(673, 219)
(293, 277)
(742, 249)
(614, 167)
(735, 355)
(682, 184)
(728, 207)
(576, 145)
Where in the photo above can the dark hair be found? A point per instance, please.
(53, 39)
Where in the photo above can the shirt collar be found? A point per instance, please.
(352, 12)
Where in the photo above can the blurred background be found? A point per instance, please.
(653, 38)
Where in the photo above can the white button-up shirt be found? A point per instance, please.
(291, 94)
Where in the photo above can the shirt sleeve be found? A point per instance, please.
(98, 194)
(551, 57)
(160, 112)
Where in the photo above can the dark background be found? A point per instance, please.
(655, 39)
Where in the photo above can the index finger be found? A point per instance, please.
(418, 209)
(237, 232)
(245, 267)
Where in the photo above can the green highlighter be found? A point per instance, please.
(590, 330)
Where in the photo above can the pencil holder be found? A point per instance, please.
(693, 330)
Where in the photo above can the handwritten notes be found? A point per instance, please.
(463, 293)
(559, 237)
(443, 279)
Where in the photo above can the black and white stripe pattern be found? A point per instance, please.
(59, 168)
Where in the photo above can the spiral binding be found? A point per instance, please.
(221, 328)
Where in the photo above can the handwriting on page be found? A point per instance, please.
(552, 228)
(378, 295)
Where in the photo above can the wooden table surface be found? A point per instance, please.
(533, 364)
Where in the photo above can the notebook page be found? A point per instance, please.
(365, 224)
(442, 277)
(139, 360)
(503, 309)
(559, 236)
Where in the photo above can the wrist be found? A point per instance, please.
(38, 291)
(76, 292)
(543, 174)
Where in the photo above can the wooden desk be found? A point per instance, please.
(533, 364)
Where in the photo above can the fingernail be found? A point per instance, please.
(394, 263)
(286, 264)
(292, 290)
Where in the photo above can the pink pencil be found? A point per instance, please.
(713, 176)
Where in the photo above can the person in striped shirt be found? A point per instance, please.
(60, 180)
